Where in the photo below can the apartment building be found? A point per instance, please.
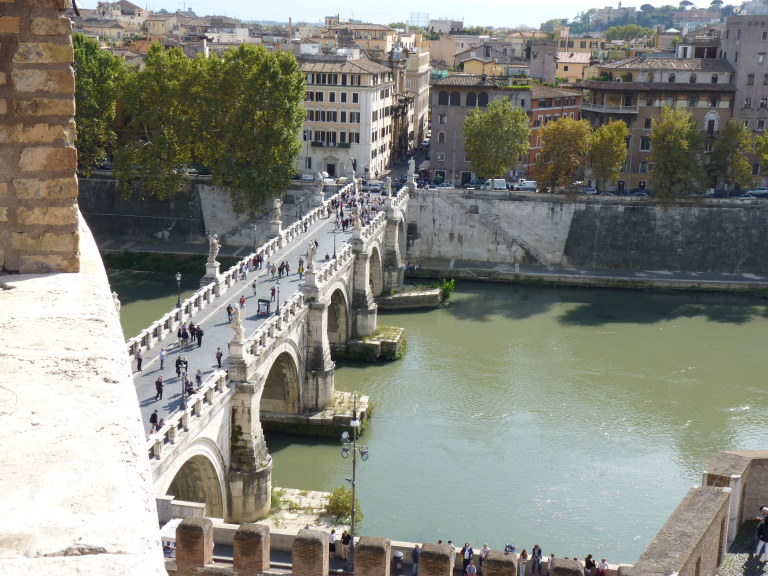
(349, 102)
(638, 88)
(549, 104)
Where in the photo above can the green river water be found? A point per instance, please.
(576, 419)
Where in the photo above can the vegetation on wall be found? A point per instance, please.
(339, 505)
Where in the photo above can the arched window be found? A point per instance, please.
(471, 99)
(442, 98)
(671, 78)
(455, 99)
(482, 99)
(692, 79)
(643, 167)
(441, 137)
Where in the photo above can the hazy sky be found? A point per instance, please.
(496, 13)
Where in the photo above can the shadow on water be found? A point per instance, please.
(134, 285)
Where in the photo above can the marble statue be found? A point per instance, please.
(311, 254)
(116, 300)
(388, 185)
(237, 323)
(411, 167)
(213, 248)
(276, 213)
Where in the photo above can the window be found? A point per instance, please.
(441, 137)
(756, 167)
(763, 103)
(442, 98)
(331, 115)
(309, 163)
(650, 76)
(761, 56)
(455, 99)
(354, 117)
(692, 79)
(565, 68)
(671, 78)
(649, 100)
(765, 79)
(713, 101)
(375, 116)
(331, 96)
(343, 96)
(647, 124)
(747, 103)
(482, 99)
(714, 79)
(645, 144)
(355, 97)
(761, 125)
(342, 137)
(354, 137)
(319, 96)
(750, 79)
(765, 36)
(522, 103)
(471, 99)
(319, 135)
(440, 156)
(343, 116)
(746, 123)
(442, 119)
(643, 167)
(692, 102)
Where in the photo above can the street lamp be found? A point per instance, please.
(178, 289)
(334, 243)
(255, 238)
(184, 368)
(277, 307)
(348, 446)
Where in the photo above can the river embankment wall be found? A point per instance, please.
(627, 233)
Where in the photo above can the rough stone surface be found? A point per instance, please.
(77, 496)
(310, 553)
(436, 560)
(497, 563)
(251, 549)
(372, 556)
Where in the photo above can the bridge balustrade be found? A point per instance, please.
(269, 330)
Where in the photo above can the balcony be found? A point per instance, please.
(344, 145)
(607, 109)
(317, 144)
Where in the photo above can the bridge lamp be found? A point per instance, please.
(255, 236)
(334, 251)
(178, 289)
(350, 445)
(277, 308)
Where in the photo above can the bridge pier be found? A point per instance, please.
(364, 308)
(392, 271)
(318, 388)
(249, 479)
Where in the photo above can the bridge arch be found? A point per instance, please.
(282, 385)
(375, 272)
(201, 477)
(338, 318)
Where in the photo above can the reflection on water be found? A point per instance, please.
(576, 419)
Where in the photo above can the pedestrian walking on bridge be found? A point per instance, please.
(159, 388)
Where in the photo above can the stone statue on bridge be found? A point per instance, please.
(237, 323)
(388, 185)
(276, 213)
(311, 254)
(411, 167)
(213, 248)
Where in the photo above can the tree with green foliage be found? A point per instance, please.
(677, 147)
(99, 77)
(495, 140)
(761, 148)
(728, 160)
(550, 25)
(627, 33)
(400, 25)
(161, 124)
(564, 143)
(607, 152)
(685, 4)
(582, 23)
(716, 5)
(339, 505)
(253, 113)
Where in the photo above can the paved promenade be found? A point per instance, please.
(213, 319)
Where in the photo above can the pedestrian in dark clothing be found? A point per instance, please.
(415, 554)
(219, 354)
(229, 313)
(199, 333)
(159, 388)
(178, 367)
(153, 420)
(139, 359)
(272, 292)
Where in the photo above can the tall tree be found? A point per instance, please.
(676, 146)
(607, 152)
(253, 114)
(159, 137)
(761, 147)
(564, 144)
(495, 140)
(628, 32)
(728, 160)
(98, 81)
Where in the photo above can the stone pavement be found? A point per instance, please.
(213, 319)
(740, 559)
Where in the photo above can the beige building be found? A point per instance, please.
(638, 88)
(571, 65)
(349, 101)
(417, 85)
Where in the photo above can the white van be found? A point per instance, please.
(495, 184)
(527, 185)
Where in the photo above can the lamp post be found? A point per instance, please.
(277, 307)
(184, 367)
(255, 228)
(178, 289)
(334, 244)
(346, 447)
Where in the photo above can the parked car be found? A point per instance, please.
(475, 183)
(589, 191)
(445, 185)
(758, 191)
(638, 193)
(745, 196)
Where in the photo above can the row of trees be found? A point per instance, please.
(497, 139)
(239, 115)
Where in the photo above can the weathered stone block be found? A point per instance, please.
(39, 133)
(10, 25)
(194, 545)
(436, 560)
(3, 78)
(44, 241)
(310, 553)
(45, 107)
(3, 106)
(50, 26)
(43, 53)
(28, 188)
(51, 216)
(54, 4)
(3, 214)
(3, 192)
(372, 556)
(25, 80)
(48, 263)
(497, 563)
(567, 567)
(48, 158)
(251, 549)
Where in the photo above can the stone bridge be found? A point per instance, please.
(214, 451)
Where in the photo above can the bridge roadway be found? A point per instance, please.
(216, 328)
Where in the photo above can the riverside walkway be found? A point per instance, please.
(213, 318)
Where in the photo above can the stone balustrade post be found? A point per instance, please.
(194, 545)
(310, 553)
(436, 560)
(372, 556)
(251, 550)
(497, 563)
(567, 567)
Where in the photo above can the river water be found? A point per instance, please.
(575, 419)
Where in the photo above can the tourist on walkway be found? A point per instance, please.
(184, 338)
(219, 354)
(522, 560)
(242, 302)
(346, 538)
(602, 568)
(471, 570)
(255, 287)
(199, 377)
(589, 565)
(483, 553)
(466, 556)
(153, 421)
(551, 564)
(179, 362)
(163, 354)
(287, 268)
(199, 334)
(273, 271)
(415, 554)
(192, 331)
(178, 337)
(272, 293)
(159, 388)
(301, 271)
(536, 560)
(331, 544)
(762, 539)
(229, 313)
(139, 359)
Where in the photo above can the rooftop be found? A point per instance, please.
(674, 64)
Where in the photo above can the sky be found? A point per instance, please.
(497, 13)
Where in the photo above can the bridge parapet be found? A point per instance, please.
(210, 396)
(269, 332)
